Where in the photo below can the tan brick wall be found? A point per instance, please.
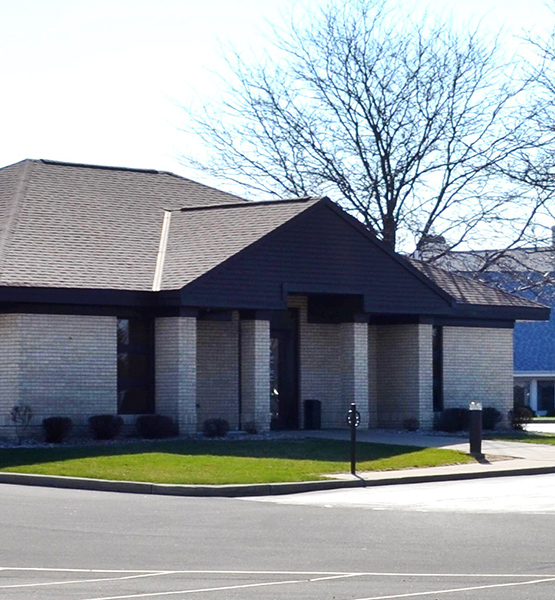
(218, 370)
(10, 353)
(176, 370)
(404, 374)
(320, 365)
(255, 373)
(330, 356)
(478, 365)
(372, 376)
(354, 367)
(59, 365)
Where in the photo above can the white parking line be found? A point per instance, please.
(196, 591)
(65, 582)
(456, 590)
(305, 577)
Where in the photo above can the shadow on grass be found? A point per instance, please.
(319, 450)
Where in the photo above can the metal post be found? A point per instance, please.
(353, 420)
(353, 439)
(475, 428)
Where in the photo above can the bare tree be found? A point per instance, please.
(407, 124)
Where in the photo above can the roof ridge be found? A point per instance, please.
(247, 203)
(47, 161)
(18, 196)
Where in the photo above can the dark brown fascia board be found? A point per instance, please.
(384, 248)
(512, 313)
(85, 296)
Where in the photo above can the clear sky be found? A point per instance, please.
(100, 81)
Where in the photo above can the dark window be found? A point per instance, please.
(522, 393)
(135, 366)
(437, 358)
(546, 395)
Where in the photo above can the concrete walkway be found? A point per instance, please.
(502, 458)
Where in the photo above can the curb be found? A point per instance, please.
(246, 490)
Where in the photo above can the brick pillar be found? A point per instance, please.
(425, 377)
(176, 370)
(354, 369)
(255, 373)
(372, 376)
(405, 375)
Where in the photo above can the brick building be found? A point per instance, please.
(133, 292)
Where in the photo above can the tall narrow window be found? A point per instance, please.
(135, 366)
(437, 368)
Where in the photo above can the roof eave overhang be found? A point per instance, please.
(511, 313)
(87, 297)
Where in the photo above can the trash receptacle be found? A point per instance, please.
(312, 414)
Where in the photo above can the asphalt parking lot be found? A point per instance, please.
(429, 540)
(112, 585)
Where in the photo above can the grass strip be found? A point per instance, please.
(527, 437)
(220, 462)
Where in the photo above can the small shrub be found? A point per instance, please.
(155, 426)
(105, 427)
(56, 429)
(490, 417)
(21, 418)
(215, 428)
(250, 428)
(520, 416)
(452, 420)
(411, 424)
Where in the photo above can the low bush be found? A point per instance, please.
(105, 427)
(411, 424)
(452, 419)
(215, 428)
(490, 417)
(56, 429)
(21, 416)
(520, 416)
(250, 428)
(155, 427)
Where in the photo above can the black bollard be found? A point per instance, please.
(353, 420)
(475, 427)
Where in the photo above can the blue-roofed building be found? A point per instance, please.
(530, 273)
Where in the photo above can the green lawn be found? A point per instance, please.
(525, 436)
(220, 462)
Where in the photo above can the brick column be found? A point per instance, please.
(405, 375)
(255, 373)
(425, 377)
(354, 369)
(176, 370)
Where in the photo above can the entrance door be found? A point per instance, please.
(284, 370)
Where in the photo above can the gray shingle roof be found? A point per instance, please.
(541, 260)
(200, 239)
(80, 226)
(64, 225)
(470, 291)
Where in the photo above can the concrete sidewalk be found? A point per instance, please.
(502, 458)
